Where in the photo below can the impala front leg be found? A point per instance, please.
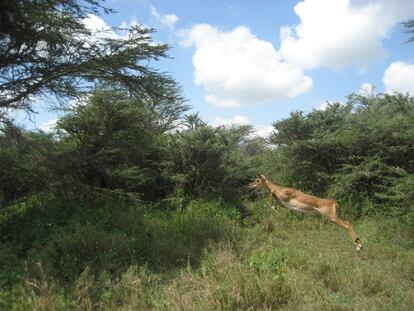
(270, 201)
(345, 224)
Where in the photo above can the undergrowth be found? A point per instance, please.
(204, 257)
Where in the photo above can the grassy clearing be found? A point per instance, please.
(207, 258)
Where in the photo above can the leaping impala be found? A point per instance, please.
(302, 202)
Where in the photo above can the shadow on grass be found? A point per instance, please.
(107, 236)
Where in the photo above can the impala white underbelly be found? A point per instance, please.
(298, 206)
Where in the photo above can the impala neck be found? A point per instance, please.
(269, 185)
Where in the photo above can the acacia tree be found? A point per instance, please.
(114, 142)
(46, 50)
(208, 161)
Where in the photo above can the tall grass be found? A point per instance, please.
(208, 258)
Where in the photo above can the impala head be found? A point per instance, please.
(258, 182)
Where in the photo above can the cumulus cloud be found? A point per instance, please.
(340, 33)
(48, 126)
(166, 20)
(99, 28)
(132, 23)
(236, 120)
(258, 130)
(263, 130)
(236, 68)
(399, 77)
(324, 105)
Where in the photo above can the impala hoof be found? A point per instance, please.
(358, 245)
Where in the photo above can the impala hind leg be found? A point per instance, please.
(345, 224)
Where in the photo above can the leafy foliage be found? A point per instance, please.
(109, 144)
(23, 158)
(358, 153)
(206, 161)
(47, 51)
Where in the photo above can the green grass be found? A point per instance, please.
(208, 258)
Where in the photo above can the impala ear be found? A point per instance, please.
(262, 176)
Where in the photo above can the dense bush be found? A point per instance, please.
(360, 153)
(109, 236)
(209, 162)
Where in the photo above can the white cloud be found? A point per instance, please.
(132, 23)
(323, 106)
(236, 120)
(341, 33)
(263, 130)
(399, 77)
(366, 89)
(167, 20)
(99, 28)
(48, 126)
(259, 130)
(236, 68)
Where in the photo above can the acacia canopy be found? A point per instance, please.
(46, 50)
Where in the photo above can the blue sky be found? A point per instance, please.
(256, 61)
